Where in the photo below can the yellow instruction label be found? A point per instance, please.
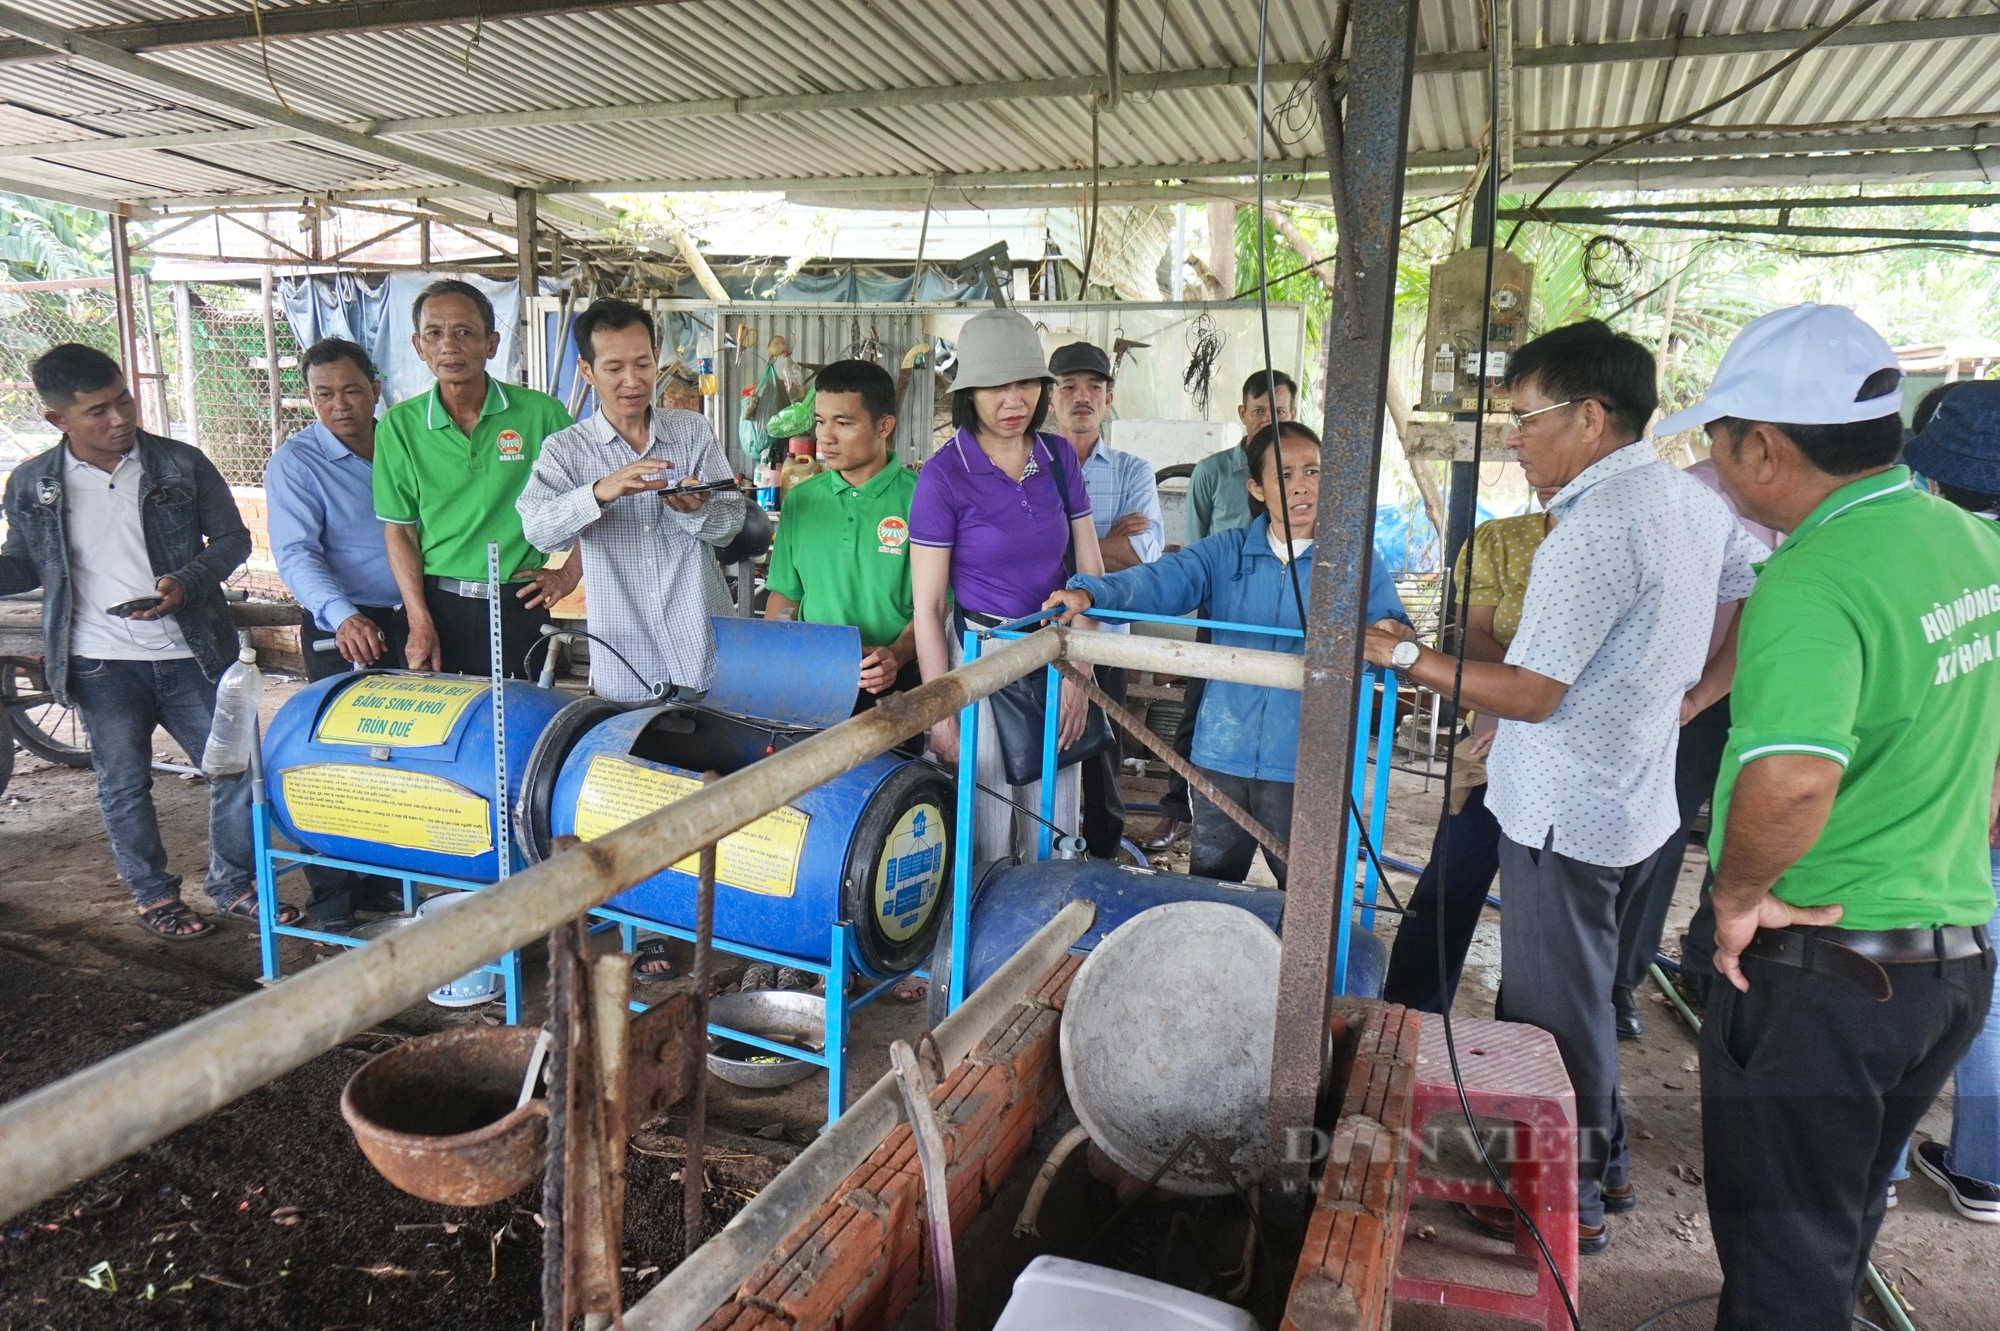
(761, 858)
(414, 810)
(401, 711)
(910, 872)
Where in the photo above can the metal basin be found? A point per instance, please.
(777, 1014)
(436, 1116)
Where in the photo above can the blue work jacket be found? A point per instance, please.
(1243, 729)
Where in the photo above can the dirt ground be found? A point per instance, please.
(265, 1215)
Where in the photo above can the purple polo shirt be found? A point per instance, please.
(1007, 538)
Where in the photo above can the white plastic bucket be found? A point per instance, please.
(467, 990)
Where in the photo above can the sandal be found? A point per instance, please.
(653, 952)
(911, 989)
(169, 920)
(244, 909)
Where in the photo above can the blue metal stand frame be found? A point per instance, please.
(508, 967)
(1376, 717)
(837, 974)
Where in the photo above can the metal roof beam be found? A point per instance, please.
(51, 194)
(312, 20)
(1967, 164)
(176, 83)
(387, 15)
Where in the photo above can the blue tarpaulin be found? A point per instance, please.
(379, 319)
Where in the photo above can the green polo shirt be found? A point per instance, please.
(460, 492)
(843, 552)
(1870, 640)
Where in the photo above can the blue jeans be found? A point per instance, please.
(1975, 1097)
(122, 703)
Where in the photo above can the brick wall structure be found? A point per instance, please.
(856, 1263)
(1346, 1275)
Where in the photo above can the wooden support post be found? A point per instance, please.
(694, 1177)
(184, 338)
(1367, 149)
(526, 223)
(273, 386)
(121, 290)
(153, 393)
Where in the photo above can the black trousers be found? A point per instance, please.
(462, 636)
(1221, 848)
(1103, 803)
(395, 626)
(1696, 766)
(1469, 861)
(1809, 1090)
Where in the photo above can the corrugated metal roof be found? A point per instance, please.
(908, 56)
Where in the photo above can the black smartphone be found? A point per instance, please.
(127, 609)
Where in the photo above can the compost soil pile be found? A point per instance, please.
(265, 1214)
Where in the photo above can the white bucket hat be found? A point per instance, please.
(1799, 366)
(999, 347)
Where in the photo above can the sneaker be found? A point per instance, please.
(1890, 1204)
(1970, 1197)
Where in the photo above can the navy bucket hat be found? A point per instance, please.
(1961, 444)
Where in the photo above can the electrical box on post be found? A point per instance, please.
(1454, 360)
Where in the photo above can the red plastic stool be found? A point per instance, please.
(1512, 1072)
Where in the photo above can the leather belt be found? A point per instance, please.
(457, 587)
(1860, 956)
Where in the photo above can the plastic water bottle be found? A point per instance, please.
(235, 726)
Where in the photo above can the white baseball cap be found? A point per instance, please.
(1799, 366)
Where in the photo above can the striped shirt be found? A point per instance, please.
(650, 576)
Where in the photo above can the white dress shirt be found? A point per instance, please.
(1618, 607)
(108, 564)
(650, 577)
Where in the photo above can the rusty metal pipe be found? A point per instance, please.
(692, 1291)
(72, 1128)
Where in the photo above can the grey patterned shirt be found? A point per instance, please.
(1619, 604)
(650, 576)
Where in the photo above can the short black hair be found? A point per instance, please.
(1258, 384)
(1928, 404)
(871, 381)
(610, 314)
(1588, 360)
(1843, 450)
(1260, 444)
(965, 416)
(329, 350)
(69, 368)
(1972, 501)
(451, 286)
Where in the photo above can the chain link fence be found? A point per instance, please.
(202, 374)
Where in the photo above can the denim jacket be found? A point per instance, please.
(1244, 730)
(193, 534)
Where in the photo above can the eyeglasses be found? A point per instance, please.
(1517, 419)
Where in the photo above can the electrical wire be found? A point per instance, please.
(658, 690)
(1489, 201)
(1799, 53)
(1673, 1308)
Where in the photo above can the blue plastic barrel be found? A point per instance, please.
(395, 768)
(1012, 901)
(871, 847)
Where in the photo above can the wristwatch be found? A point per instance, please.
(1404, 655)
